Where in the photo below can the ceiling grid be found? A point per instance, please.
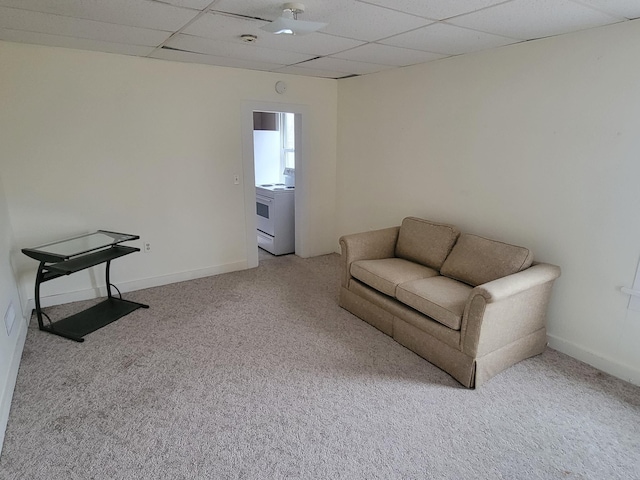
(361, 36)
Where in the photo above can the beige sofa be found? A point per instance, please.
(469, 305)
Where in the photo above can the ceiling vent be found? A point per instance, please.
(246, 38)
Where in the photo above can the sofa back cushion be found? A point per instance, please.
(476, 260)
(425, 242)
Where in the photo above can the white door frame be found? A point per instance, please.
(249, 178)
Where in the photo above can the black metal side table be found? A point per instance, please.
(72, 255)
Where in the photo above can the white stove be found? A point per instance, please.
(275, 218)
(275, 187)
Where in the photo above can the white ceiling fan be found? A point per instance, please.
(288, 23)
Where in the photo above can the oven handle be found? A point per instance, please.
(263, 199)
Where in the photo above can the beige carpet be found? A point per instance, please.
(260, 375)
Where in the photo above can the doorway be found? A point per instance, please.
(282, 125)
(274, 169)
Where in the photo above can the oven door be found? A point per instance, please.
(264, 211)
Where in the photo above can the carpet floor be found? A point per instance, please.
(259, 374)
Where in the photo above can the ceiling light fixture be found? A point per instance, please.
(291, 25)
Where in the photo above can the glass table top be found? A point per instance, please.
(79, 245)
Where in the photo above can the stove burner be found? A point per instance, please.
(277, 186)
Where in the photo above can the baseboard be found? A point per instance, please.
(7, 394)
(133, 285)
(608, 365)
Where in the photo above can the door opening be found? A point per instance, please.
(274, 187)
(274, 167)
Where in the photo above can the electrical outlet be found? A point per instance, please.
(236, 179)
(9, 318)
(146, 247)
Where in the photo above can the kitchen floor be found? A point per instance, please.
(264, 255)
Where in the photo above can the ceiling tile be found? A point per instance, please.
(70, 42)
(17, 19)
(219, 26)
(189, 57)
(373, 22)
(265, 10)
(448, 39)
(228, 28)
(529, 19)
(435, 10)
(242, 51)
(316, 44)
(345, 66)
(387, 55)
(135, 13)
(625, 8)
(349, 19)
(194, 4)
(310, 72)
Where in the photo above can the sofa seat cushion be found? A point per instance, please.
(476, 260)
(386, 274)
(441, 298)
(425, 242)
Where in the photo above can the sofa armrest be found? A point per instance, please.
(371, 245)
(510, 285)
(502, 311)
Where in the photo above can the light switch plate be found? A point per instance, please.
(634, 301)
(9, 318)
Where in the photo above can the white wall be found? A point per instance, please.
(535, 144)
(10, 345)
(91, 140)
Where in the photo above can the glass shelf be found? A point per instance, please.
(73, 247)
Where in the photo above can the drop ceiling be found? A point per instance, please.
(362, 36)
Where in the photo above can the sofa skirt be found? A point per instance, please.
(469, 371)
